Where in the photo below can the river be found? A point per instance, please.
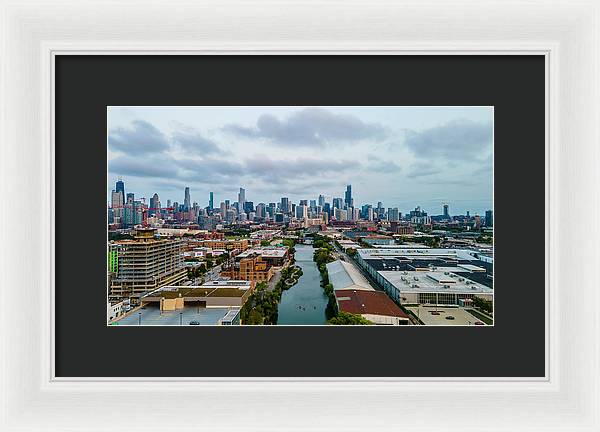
(305, 302)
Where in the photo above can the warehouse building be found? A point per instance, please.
(429, 276)
(343, 275)
(375, 306)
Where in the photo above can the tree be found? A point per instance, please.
(351, 252)
(265, 243)
(345, 318)
(255, 317)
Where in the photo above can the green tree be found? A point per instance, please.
(345, 318)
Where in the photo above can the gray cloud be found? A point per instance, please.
(382, 166)
(211, 171)
(141, 138)
(147, 167)
(276, 170)
(458, 139)
(310, 127)
(422, 170)
(192, 141)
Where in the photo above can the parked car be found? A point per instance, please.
(194, 322)
(449, 317)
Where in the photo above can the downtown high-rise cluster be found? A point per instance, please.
(125, 211)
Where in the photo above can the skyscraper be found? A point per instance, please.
(211, 201)
(117, 202)
(321, 200)
(446, 214)
(186, 201)
(394, 215)
(241, 199)
(120, 187)
(301, 212)
(155, 205)
(489, 218)
(285, 205)
(348, 196)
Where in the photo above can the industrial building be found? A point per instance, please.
(144, 264)
(373, 305)
(429, 276)
(354, 294)
(214, 294)
(343, 275)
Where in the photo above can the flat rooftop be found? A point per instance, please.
(152, 316)
(268, 252)
(434, 282)
(420, 253)
(202, 291)
(431, 315)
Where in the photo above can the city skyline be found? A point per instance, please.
(444, 208)
(402, 156)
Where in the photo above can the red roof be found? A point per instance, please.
(367, 302)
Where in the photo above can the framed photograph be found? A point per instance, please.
(343, 217)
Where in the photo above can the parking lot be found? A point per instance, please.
(431, 315)
(151, 315)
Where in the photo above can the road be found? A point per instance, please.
(212, 274)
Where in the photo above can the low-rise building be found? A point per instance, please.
(275, 256)
(429, 276)
(375, 306)
(251, 268)
(343, 276)
(114, 310)
(214, 294)
(226, 244)
(374, 239)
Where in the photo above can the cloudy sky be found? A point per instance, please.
(402, 156)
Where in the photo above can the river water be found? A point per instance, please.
(305, 302)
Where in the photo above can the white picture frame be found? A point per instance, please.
(566, 33)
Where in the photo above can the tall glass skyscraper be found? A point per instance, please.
(211, 201)
(348, 196)
(120, 187)
(186, 200)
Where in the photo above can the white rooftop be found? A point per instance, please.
(265, 252)
(343, 275)
(417, 253)
(433, 282)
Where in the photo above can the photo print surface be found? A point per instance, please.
(289, 215)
